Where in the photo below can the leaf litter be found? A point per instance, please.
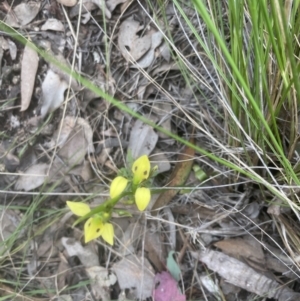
(62, 141)
(135, 48)
(33, 177)
(22, 14)
(53, 89)
(136, 275)
(28, 73)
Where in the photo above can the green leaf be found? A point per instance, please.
(123, 213)
(199, 173)
(173, 267)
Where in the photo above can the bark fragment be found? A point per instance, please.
(241, 275)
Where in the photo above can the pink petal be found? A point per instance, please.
(167, 288)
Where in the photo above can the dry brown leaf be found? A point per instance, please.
(156, 250)
(58, 170)
(228, 288)
(46, 249)
(2, 40)
(130, 238)
(159, 159)
(135, 274)
(3, 43)
(68, 126)
(142, 139)
(63, 272)
(164, 112)
(248, 249)
(68, 3)
(102, 5)
(30, 62)
(165, 67)
(139, 46)
(75, 140)
(86, 8)
(63, 298)
(144, 91)
(33, 177)
(53, 24)
(89, 5)
(101, 282)
(164, 51)
(135, 48)
(9, 221)
(83, 170)
(209, 283)
(23, 14)
(88, 134)
(64, 76)
(61, 60)
(73, 152)
(131, 45)
(178, 177)
(11, 162)
(12, 49)
(111, 4)
(86, 255)
(125, 6)
(277, 265)
(53, 89)
(148, 58)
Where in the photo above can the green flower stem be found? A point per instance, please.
(109, 205)
(106, 206)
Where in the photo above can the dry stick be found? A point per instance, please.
(243, 276)
(184, 247)
(178, 177)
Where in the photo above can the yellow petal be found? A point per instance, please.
(79, 209)
(141, 169)
(117, 186)
(93, 228)
(142, 198)
(108, 233)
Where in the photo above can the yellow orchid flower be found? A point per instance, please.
(142, 198)
(78, 208)
(117, 186)
(141, 169)
(95, 227)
